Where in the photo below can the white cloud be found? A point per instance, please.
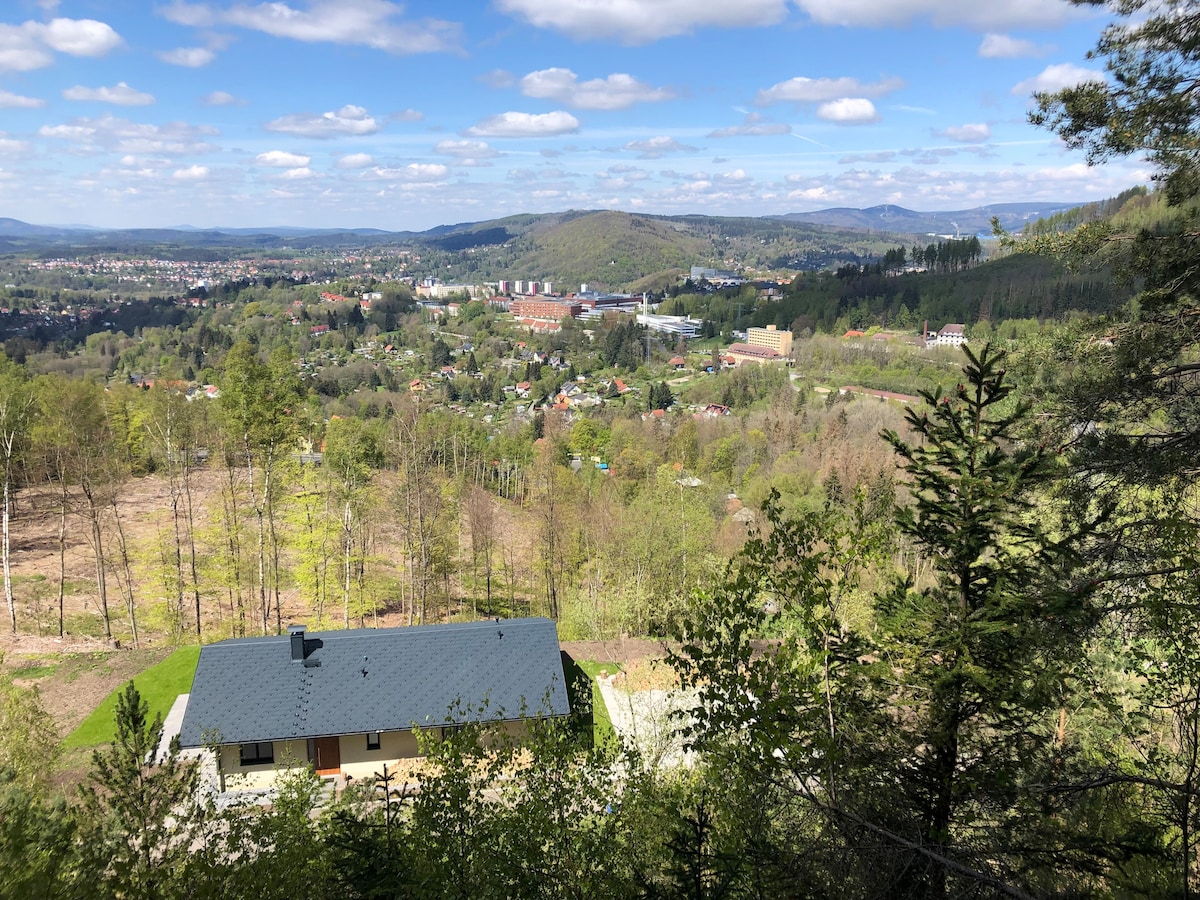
(753, 125)
(30, 45)
(617, 91)
(467, 153)
(997, 16)
(657, 146)
(407, 115)
(355, 161)
(1073, 172)
(634, 22)
(737, 176)
(975, 133)
(369, 23)
(525, 125)
(1001, 46)
(475, 149)
(821, 90)
(349, 120)
(20, 51)
(191, 173)
(9, 100)
(282, 159)
(67, 132)
(12, 146)
(120, 94)
(124, 136)
(413, 172)
(188, 57)
(79, 37)
(1056, 77)
(144, 162)
(298, 174)
(221, 98)
(848, 111)
(821, 194)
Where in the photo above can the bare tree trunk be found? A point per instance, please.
(62, 556)
(234, 554)
(348, 545)
(128, 574)
(191, 530)
(98, 549)
(8, 591)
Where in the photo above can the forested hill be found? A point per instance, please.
(1012, 287)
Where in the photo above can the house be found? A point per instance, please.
(677, 362)
(953, 335)
(348, 701)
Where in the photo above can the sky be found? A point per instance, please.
(404, 116)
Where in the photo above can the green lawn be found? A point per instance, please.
(159, 686)
(602, 729)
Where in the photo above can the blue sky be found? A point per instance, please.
(371, 113)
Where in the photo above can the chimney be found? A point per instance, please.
(296, 635)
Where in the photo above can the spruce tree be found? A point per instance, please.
(978, 650)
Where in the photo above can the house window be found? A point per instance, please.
(257, 754)
(373, 741)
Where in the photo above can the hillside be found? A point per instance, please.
(612, 250)
(963, 222)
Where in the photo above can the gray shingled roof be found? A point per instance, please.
(250, 689)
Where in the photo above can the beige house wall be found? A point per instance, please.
(288, 754)
(360, 763)
(357, 762)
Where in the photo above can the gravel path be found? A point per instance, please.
(649, 721)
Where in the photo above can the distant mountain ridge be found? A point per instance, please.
(606, 249)
(885, 217)
(964, 222)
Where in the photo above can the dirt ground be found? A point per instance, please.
(73, 677)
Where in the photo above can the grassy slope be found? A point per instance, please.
(159, 686)
(602, 730)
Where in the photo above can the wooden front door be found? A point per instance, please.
(327, 756)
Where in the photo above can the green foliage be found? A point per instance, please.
(138, 805)
(29, 744)
(38, 845)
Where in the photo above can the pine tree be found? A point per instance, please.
(138, 804)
